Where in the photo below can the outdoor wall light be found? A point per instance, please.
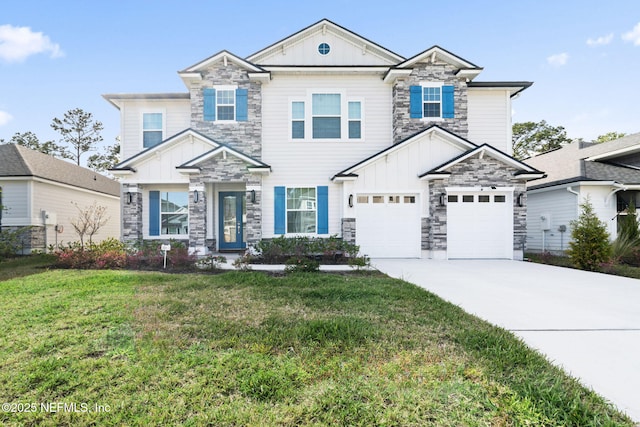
(441, 200)
(129, 197)
(196, 196)
(350, 200)
(253, 196)
(520, 200)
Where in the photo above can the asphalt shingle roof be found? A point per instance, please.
(16, 161)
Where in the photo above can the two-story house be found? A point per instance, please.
(327, 133)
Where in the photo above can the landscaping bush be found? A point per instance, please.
(301, 265)
(590, 247)
(109, 253)
(11, 241)
(147, 255)
(329, 250)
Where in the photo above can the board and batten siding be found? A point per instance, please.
(305, 163)
(489, 118)
(176, 118)
(61, 200)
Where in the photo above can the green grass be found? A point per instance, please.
(246, 348)
(21, 266)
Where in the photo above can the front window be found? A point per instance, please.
(326, 115)
(431, 102)
(301, 210)
(151, 129)
(225, 104)
(174, 213)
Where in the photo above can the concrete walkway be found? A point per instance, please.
(587, 323)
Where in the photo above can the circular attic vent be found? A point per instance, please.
(324, 48)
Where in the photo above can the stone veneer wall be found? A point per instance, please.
(349, 230)
(474, 172)
(227, 170)
(30, 238)
(131, 215)
(243, 136)
(404, 126)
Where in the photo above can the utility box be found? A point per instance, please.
(545, 222)
(49, 218)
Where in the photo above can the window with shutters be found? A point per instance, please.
(225, 104)
(432, 101)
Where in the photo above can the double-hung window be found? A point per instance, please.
(151, 129)
(225, 104)
(326, 115)
(301, 210)
(174, 213)
(432, 101)
(297, 120)
(355, 120)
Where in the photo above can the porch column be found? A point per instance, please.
(131, 200)
(197, 219)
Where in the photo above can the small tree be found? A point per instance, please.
(629, 224)
(89, 221)
(79, 130)
(590, 246)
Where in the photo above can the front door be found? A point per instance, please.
(231, 230)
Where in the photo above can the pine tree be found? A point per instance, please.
(590, 246)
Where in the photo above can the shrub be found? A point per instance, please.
(326, 250)
(590, 246)
(10, 241)
(629, 225)
(301, 265)
(147, 255)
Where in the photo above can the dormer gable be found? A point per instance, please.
(195, 72)
(435, 55)
(325, 44)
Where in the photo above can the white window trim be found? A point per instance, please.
(178, 235)
(287, 210)
(144, 111)
(308, 116)
(431, 84)
(235, 107)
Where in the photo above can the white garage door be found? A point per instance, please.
(479, 225)
(388, 226)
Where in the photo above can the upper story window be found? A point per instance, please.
(331, 117)
(432, 101)
(225, 104)
(151, 129)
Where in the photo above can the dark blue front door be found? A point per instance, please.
(231, 230)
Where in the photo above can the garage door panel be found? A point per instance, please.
(480, 228)
(390, 228)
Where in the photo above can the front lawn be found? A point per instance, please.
(246, 348)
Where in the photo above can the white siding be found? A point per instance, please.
(60, 201)
(563, 207)
(305, 52)
(307, 163)
(15, 200)
(489, 118)
(176, 118)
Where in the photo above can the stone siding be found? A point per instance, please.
(243, 136)
(131, 215)
(30, 238)
(349, 230)
(404, 126)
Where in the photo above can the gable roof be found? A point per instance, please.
(216, 148)
(325, 25)
(19, 161)
(513, 87)
(581, 161)
(433, 129)
(525, 171)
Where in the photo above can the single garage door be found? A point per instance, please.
(479, 225)
(388, 226)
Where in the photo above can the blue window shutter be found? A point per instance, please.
(415, 107)
(447, 102)
(280, 211)
(209, 104)
(242, 106)
(323, 210)
(154, 213)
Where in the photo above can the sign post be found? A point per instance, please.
(165, 248)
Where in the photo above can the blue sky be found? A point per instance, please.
(582, 56)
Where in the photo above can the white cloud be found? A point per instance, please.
(558, 60)
(18, 43)
(5, 118)
(633, 35)
(600, 41)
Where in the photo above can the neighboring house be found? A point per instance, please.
(607, 173)
(327, 133)
(41, 192)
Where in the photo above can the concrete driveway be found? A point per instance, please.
(587, 323)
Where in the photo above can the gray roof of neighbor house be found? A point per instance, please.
(617, 160)
(18, 161)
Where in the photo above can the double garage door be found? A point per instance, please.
(479, 225)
